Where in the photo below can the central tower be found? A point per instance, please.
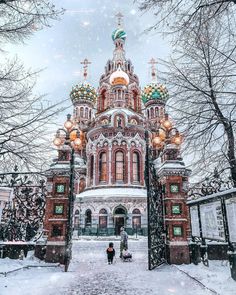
(115, 194)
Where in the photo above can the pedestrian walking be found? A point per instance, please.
(123, 240)
(110, 253)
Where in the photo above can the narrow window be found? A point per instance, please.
(136, 165)
(119, 166)
(103, 167)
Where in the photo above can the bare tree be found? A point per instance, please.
(202, 78)
(20, 18)
(177, 16)
(24, 118)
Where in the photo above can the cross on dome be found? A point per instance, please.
(85, 64)
(153, 63)
(119, 16)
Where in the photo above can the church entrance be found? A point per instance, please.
(119, 222)
(120, 214)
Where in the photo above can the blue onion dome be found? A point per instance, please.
(83, 91)
(154, 91)
(119, 34)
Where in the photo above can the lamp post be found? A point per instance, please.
(69, 135)
(155, 144)
(80, 219)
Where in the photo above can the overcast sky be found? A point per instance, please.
(84, 31)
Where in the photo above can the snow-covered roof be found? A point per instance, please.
(215, 195)
(172, 167)
(106, 193)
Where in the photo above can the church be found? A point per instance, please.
(109, 166)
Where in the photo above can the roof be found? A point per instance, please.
(106, 193)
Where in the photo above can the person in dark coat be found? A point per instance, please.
(110, 253)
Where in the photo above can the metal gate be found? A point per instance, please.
(156, 237)
(22, 216)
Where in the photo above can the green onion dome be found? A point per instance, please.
(83, 91)
(119, 34)
(154, 91)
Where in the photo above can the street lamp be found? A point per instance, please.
(69, 135)
(155, 216)
(166, 134)
(80, 217)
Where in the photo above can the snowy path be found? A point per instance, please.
(95, 276)
(89, 274)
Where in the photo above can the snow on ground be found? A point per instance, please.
(90, 274)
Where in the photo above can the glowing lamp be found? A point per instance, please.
(177, 139)
(77, 141)
(73, 135)
(157, 140)
(57, 141)
(68, 124)
(166, 122)
(162, 134)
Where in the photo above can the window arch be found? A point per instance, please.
(136, 167)
(152, 113)
(136, 211)
(136, 218)
(103, 167)
(103, 218)
(81, 112)
(88, 218)
(119, 166)
(86, 113)
(91, 167)
(156, 111)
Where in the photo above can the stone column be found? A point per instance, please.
(94, 168)
(129, 162)
(109, 163)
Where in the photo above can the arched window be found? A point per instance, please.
(103, 218)
(136, 218)
(104, 100)
(136, 167)
(90, 114)
(82, 185)
(81, 112)
(148, 113)
(88, 218)
(136, 211)
(86, 113)
(135, 100)
(152, 113)
(103, 167)
(119, 166)
(156, 112)
(91, 167)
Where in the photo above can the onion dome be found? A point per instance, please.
(83, 91)
(119, 77)
(154, 91)
(119, 34)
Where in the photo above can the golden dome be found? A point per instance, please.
(119, 77)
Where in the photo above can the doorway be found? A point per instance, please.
(119, 222)
(120, 214)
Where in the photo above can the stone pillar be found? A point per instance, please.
(109, 164)
(94, 169)
(129, 168)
